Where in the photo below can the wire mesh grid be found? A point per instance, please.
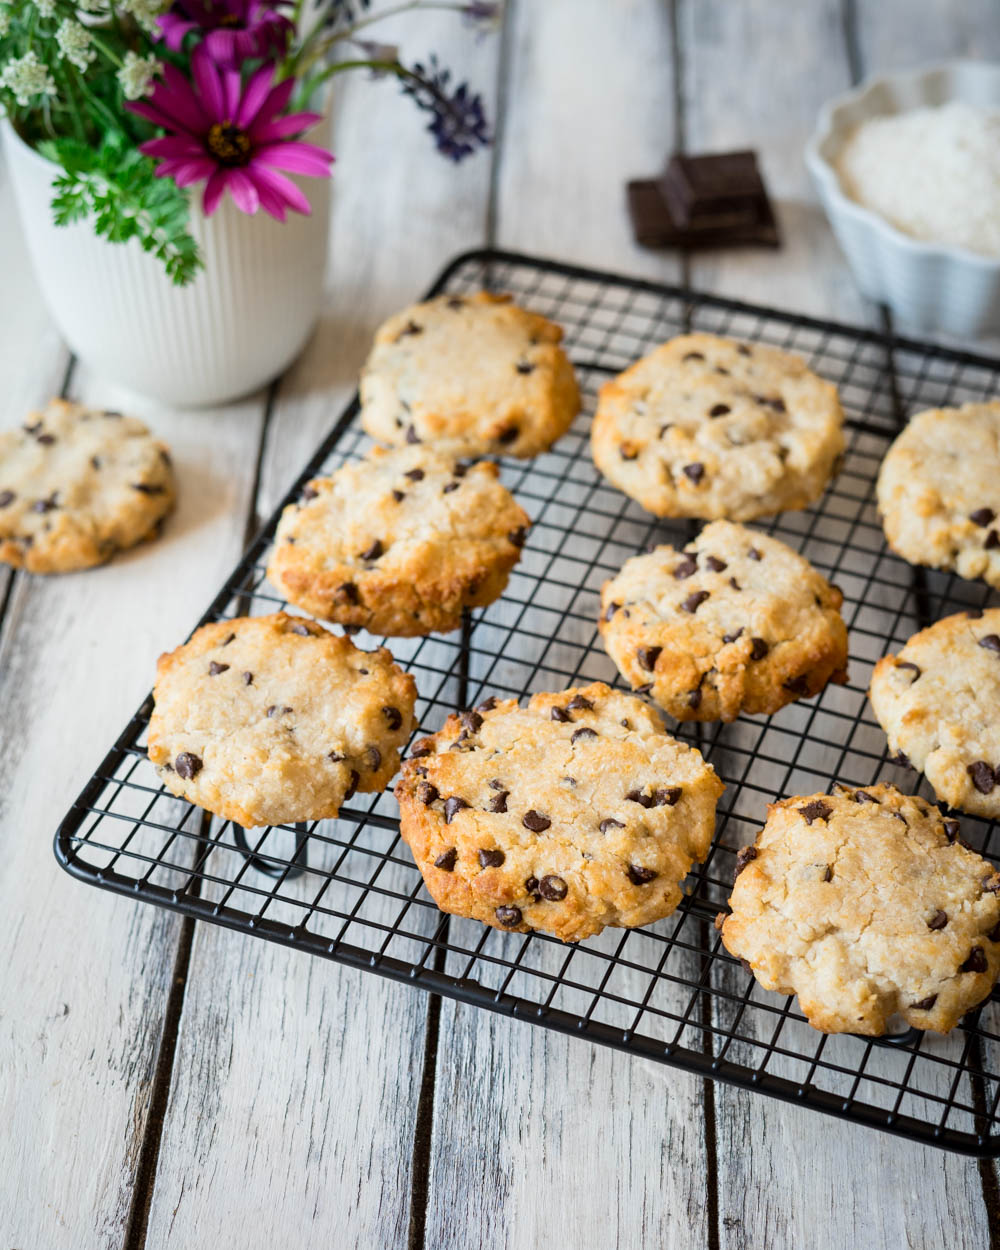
(348, 889)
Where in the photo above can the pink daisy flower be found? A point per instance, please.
(234, 30)
(232, 135)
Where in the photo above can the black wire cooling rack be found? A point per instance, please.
(348, 890)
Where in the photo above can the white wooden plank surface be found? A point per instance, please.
(314, 1070)
(820, 1171)
(537, 1134)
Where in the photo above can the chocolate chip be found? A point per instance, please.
(525, 366)
(427, 793)
(663, 429)
(7, 497)
(531, 885)
(914, 668)
(758, 648)
(226, 641)
(570, 781)
(686, 567)
(46, 439)
(491, 859)
(817, 810)
(938, 920)
(393, 717)
(732, 637)
(977, 961)
(902, 759)
(647, 656)
(46, 505)
(628, 451)
(695, 472)
(992, 540)
(276, 709)
(398, 495)
(639, 875)
(666, 796)
(735, 584)
(610, 823)
(560, 714)
(146, 488)
(447, 860)
(777, 404)
(518, 537)
(374, 551)
(951, 829)
(754, 554)
(456, 302)
(424, 747)
(509, 917)
(415, 475)
(694, 601)
(451, 806)
(797, 685)
(637, 796)
(553, 888)
(719, 410)
(346, 592)
(373, 758)
(991, 642)
(743, 349)
(411, 435)
(187, 765)
(352, 785)
(743, 857)
(498, 803)
(862, 796)
(611, 609)
(693, 356)
(214, 668)
(694, 699)
(925, 1004)
(983, 777)
(410, 328)
(446, 490)
(487, 705)
(580, 704)
(974, 613)
(582, 732)
(828, 873)
(309, 492)
(248, 679)
(535, 821)
(715, 564)
(508, 436)
(991, 884)
(983, 516)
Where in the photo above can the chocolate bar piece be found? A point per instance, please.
(704, 201)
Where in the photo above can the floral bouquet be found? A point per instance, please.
(137, 101)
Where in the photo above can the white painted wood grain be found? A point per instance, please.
(538, 1135)
(84, 976)
(785, 1172)
(299, 1081)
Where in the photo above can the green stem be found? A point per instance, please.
(299, 64)
(351, 31)
(112, 56)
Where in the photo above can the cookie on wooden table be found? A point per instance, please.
(939, 491)
(938, 701)
(400, 543)
(867, 905)
(574, 812)
(270, 719)
(708, 427)
(736, 622)
(474, 367)
(78, 484)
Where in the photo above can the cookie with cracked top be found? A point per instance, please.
(938, 701)
(473, 367)
(868, 906)
(266, 720)
(78, 484)
(735, 622)
(400, 543)
(572, 813)
(708, 427)
(939, 491)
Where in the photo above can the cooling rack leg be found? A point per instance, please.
(273, 866)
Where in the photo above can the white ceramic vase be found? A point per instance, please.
(243, 319)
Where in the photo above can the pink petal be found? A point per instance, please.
(221, 45)
(184, 173)
(277, 100)
(152, 114)
(270, 200)
(231, 90)
(281, 127)
(214, 191)
(244, 191)
(281, 185)
(172, 146)
(254, 95)
(173, 30)
(206, 77)
(297, 158)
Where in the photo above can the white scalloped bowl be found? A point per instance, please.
(928, 286)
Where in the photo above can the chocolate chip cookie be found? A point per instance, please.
(706, 427)
(474, 367)
(867, 905)
(401, 542)
(270, 719)
(939, 491)
(736, 622)
(78, 484)
(938, 701)
(575, 812)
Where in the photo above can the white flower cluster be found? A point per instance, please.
(4, 20)
(46, 8)
(27, 76)
(136, 75)
(74, 43)
(145, 12)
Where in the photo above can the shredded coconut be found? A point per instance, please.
(934, 173)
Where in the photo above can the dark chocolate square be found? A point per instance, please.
(714, 192)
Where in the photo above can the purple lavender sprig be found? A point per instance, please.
(458, 118)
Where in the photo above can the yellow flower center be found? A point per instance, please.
(228, 144)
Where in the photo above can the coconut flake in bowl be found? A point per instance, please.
(934, 173)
